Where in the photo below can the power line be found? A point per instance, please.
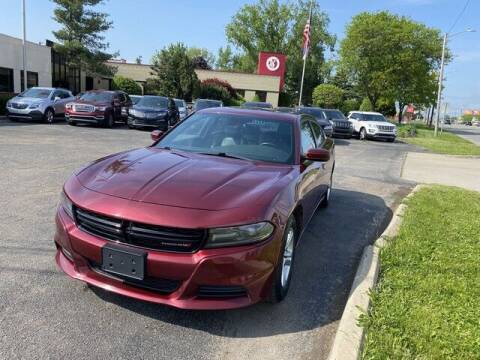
(459, 16)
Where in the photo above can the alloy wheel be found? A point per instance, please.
(49, 116)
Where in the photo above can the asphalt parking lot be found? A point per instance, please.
(44, 314)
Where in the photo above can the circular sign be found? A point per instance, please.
(273, 63)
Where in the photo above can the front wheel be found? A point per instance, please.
(283, 271)
(49, 116)
(109, 120)
(363, 134)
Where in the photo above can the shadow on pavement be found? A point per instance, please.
(325, 266)
(342, 142)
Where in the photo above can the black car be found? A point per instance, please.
(201, 104)
(319, 115)
(155, 112)
(341, 126)
(257, 105)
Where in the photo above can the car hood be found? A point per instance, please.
(27, 100)
(323, 122)
(184, 180)
(149, 109)
(383, 123)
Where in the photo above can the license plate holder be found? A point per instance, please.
(126, 262)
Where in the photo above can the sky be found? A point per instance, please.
(143, 26)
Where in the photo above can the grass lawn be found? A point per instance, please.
(427, 302)
(445, 143)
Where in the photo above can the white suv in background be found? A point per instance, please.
(372, 125)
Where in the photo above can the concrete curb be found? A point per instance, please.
(348, 341)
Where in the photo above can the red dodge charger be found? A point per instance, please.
(208, 217)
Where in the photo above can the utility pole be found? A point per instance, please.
(24, 47)
(440, 84)
(306, 46)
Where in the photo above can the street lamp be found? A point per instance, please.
(440, 78)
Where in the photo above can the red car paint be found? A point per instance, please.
(193, 191)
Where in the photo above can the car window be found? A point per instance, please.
(56, 93)
(241, 135)
(307, 138)
(65, 94)
(317, 132)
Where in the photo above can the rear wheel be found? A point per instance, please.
(283, 271)
(72, 123)
(326, 199)
(49, 116)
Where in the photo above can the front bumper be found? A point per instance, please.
(90, 118)
(27, 114)
(161, 124)
(246, 267)
(328, 131)
(342, 132)
(381, 135)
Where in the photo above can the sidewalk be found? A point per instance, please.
(443, 169)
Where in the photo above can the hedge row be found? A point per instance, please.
(4, 97)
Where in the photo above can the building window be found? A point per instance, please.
(32, 79)
(63, 76)
(261, 95)
(6, 80)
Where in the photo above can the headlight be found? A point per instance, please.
(239, 235)
(9, 103)
(69, 106)
(66, 204)
(328, 127)
(331, 122)
(372, 126)
(34, 106)
(100, 108)
(132, 112)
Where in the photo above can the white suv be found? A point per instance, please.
(372, 125)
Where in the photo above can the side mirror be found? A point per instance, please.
(317, 155)
(156, 135)
(56, 98)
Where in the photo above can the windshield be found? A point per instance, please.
(36, 93)
(372, 117)
(135, 99)
(242, 136)
(204, 104)
(180, 103)
(153, 101)
(260, 105)
(318, 113)
(333, 114)
(97, 96)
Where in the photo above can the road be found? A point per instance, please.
(44, 314)
(471, 133)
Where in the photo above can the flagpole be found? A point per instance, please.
(305, 57)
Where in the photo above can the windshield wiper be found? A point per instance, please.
(225, 155)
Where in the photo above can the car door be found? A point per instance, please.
(56, 99)
(308, 190)
(117, 105)
(354, 118)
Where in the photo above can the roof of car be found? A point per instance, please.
(256, 112)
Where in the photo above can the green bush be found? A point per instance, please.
(327, 96)
(4, 97)
(128, 85)
(406, 131)
(212, 91)
(366, 105)
(350, 105)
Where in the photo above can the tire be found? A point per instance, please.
(391, 140)
(326, 199)
(72, 123)
(49, 116)
(363, 134)
(283, 272)
(109, 121)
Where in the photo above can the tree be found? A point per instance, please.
(269, 25)
(350, 105)
(391, 56)
(327, 96)
(138, 60)
(200, 63)
(80, 38)
(128, 85)
(207, 56)
(174, 72)
(366, 105)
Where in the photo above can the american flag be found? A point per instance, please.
(306, 37)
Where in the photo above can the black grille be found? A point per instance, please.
(163, 286)
(221, 291)
(19, 106)
(342, 124)
(146, 236)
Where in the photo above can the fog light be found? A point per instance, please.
(67, 254)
